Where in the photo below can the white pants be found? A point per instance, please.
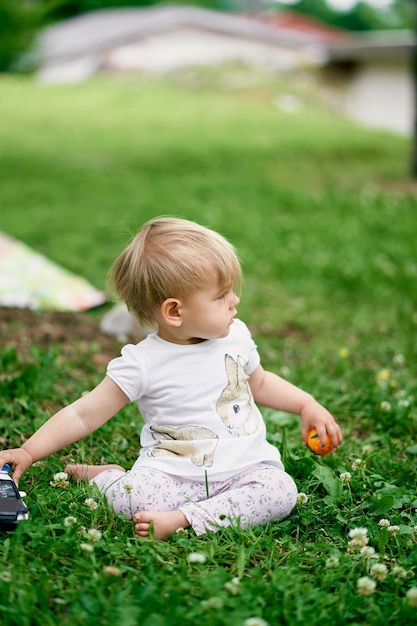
(257, 495)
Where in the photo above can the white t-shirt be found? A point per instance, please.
(200, 416)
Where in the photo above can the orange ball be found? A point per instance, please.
(313, 443)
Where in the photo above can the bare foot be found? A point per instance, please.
(164, 523)
(82, 472)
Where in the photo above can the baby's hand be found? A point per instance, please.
(314, 415)
(18, 459)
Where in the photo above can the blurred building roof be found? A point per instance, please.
(302, 24)
(98, 30)
(161, 38)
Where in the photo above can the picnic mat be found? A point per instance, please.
(30, 280)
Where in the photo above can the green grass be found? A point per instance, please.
(324, 218)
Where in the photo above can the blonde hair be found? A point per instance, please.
(172, 258)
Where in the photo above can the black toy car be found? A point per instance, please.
(12, 507)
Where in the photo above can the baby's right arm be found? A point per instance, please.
(68, 425)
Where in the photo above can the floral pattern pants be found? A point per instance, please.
(257, 495)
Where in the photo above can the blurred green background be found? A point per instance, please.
(321, 211)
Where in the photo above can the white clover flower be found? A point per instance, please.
(128, 488)
(302, 498)
(91, 504)
(112, 570)
(86, 547)
(393, 530)
(367, 449)
(255, 621)
(357, 464)
(404, 404)
(358, 536)
(6, 576)
(398, 359)
(196, 557)
(366, 586)
(233, 586)
(384, 523)
(399, 572)
(411, 597)
(212, 603)
(385, 406)
(332, 561)
(285, 371)
(345, 477)
(60, 480)
(70, 520)
(94, 534)
(367, 552)
(379, 571)
(182, 531)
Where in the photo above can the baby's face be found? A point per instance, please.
(207, 314)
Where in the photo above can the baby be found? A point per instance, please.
(204, 458)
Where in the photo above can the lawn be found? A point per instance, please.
(324, 217)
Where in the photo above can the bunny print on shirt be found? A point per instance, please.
(234, 406)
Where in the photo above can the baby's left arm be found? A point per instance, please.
(273, 391)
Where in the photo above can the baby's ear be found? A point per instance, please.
(171, 312)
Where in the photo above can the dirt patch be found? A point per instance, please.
(74, 333)
(79, 333)
(401, 187)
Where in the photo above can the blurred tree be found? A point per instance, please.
(361, 17)
(68, 8)
(19, 24)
